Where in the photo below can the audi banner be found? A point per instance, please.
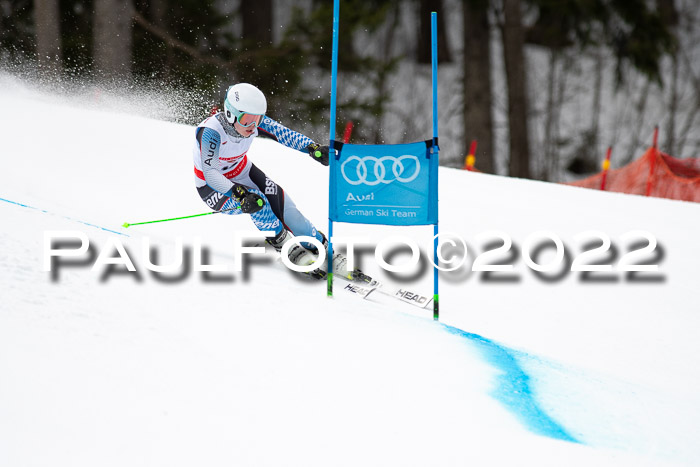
(392, 184)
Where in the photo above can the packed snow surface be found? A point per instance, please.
(105, 367)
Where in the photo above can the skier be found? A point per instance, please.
(228, 182)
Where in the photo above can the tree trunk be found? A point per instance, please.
(257, 22)
(159, 12)
(673, 105)
(424, 39)
(514, 58)
(159, 15)
(693, 112)
(384, 73)
(112, 35)
(641, 134)
(597, 103)
(256, 36)
(478, 120)
(48, 33)
(670, 16)
(549, 143)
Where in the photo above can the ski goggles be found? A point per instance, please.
(246, 120)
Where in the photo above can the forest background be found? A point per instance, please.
(544, 86)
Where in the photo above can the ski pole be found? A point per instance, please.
(126, 224)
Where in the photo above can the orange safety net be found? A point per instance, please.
(654, 174)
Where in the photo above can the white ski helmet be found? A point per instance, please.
(243, 98)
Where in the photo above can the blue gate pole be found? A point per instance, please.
(436, 296)
(331, 159)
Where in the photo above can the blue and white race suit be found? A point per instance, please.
(220, 160)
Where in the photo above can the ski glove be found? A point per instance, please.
(250, 202)
(318, 153)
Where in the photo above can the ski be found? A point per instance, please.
(360, 290)
(406, 296)
(363, 285)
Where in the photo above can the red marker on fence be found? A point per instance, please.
(471, 158)
(606, 167)
(652, 164)
(348, 132)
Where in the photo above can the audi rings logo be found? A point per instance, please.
(375, 170)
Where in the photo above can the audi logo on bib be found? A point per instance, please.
(372, 170)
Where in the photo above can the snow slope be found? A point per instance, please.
(116, 368)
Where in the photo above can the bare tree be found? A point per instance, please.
(694, 111)
(514, 59)
(48, 33)
(257, 22)
(159, 14)
(687, 31)
(673, 106)
(424, 42)
(669, 15)
(594, 130)
(587, 153)
(112, 36)
(551, 120)
(478, 119)
(381, 83)
(640, 132)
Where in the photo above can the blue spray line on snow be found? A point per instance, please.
(513, 389)
(65, 217)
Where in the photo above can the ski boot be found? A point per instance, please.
(279, 240)
(340, 267)
(298, 254)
